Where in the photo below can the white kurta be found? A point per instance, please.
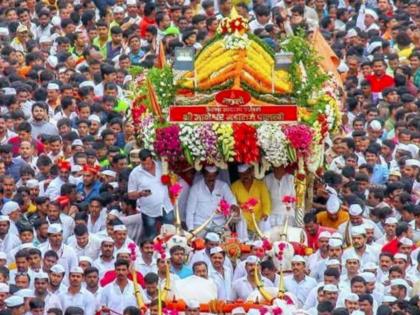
(242, 288)
(223, 283)
(299, 289)
(66, 257)
(92, 248)
(117, 300)
(202, 203)
(83, 299)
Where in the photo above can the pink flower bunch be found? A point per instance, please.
(167, 143)
(266, 244)
(282, 247)
(276, 311)
(249, 205)
(175, 190)
(209, 141)
(158, 247)
(168, 311)
(289, 199)
(224, 208)
(263, 311)
(132, 248)
(300, 138)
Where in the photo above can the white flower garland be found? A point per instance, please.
(190, 139)
(274, 144)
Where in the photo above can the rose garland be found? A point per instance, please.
(300, 139)
(246, 147)
(168, 144)
(273, 143)
(191, 143)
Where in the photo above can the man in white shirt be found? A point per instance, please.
(145, 185)
(244, 286)
(146, 262)
(105, 261)
(220, 274)
(299, 284)
(204, 199)
(66, 255)
(84, 243)
(53, 190)
(8, 241)
(360, 249)
(40, 291)
(77, 296)
(120, 293)
(280, 183)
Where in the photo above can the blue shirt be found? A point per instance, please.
(183, 272)
(14, 168)
(379, 175)
(94, 192)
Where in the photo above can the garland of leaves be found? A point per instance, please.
(303, 53)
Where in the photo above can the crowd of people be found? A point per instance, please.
(82, 201)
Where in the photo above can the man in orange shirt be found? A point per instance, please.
(334, 216)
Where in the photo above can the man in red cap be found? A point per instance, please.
(53, 190)
(90, 186)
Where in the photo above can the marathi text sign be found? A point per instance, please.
(248, 113)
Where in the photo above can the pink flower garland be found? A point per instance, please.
(300, 138)
(167, 143)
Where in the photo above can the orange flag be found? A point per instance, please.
(161, 57)
(329, 60)
(153, 99)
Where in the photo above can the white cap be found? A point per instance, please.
(120, 227)
(252, 259)
(375, 124)
(352, 257)
(10, 207)
(253, 311)
(399, 281)
(77, 142)
(391, 220)
(94, 117)
(333, 204)
(400, 256)
(114, 212)
(406, 241)
(114, 185)
(9, 91)
(368, 225)
(370, 266)
(193, 304)
(330, 288)
(389, 299)
(358, 230)
(333, 242)
(238, 310)
(370, 49)
(52, 61)
(4, 218)
(55, 228)
(76, 269)
(76, 168)
(123, 250)
(212, 237)
(412, 162)
(337, 235)
(52, 86)
(332, 262)
(87, 83)
(298, 258)
(4, 288)
(358, 312)
(41, 275)
(25, 293)
(4, 31)
(14, 301)
(372, 13)
(368, 276)
(118, 9)
(216, 250)
(351, 33)
(242, 168)
(45, 39)
(109, 173)
(21, 28)
(57, 268)
(131, 2)
(32, 183)
(211, 169)
(108, 239)
(3, 255)
(324, 234)
(355, 209)
(351, 297)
